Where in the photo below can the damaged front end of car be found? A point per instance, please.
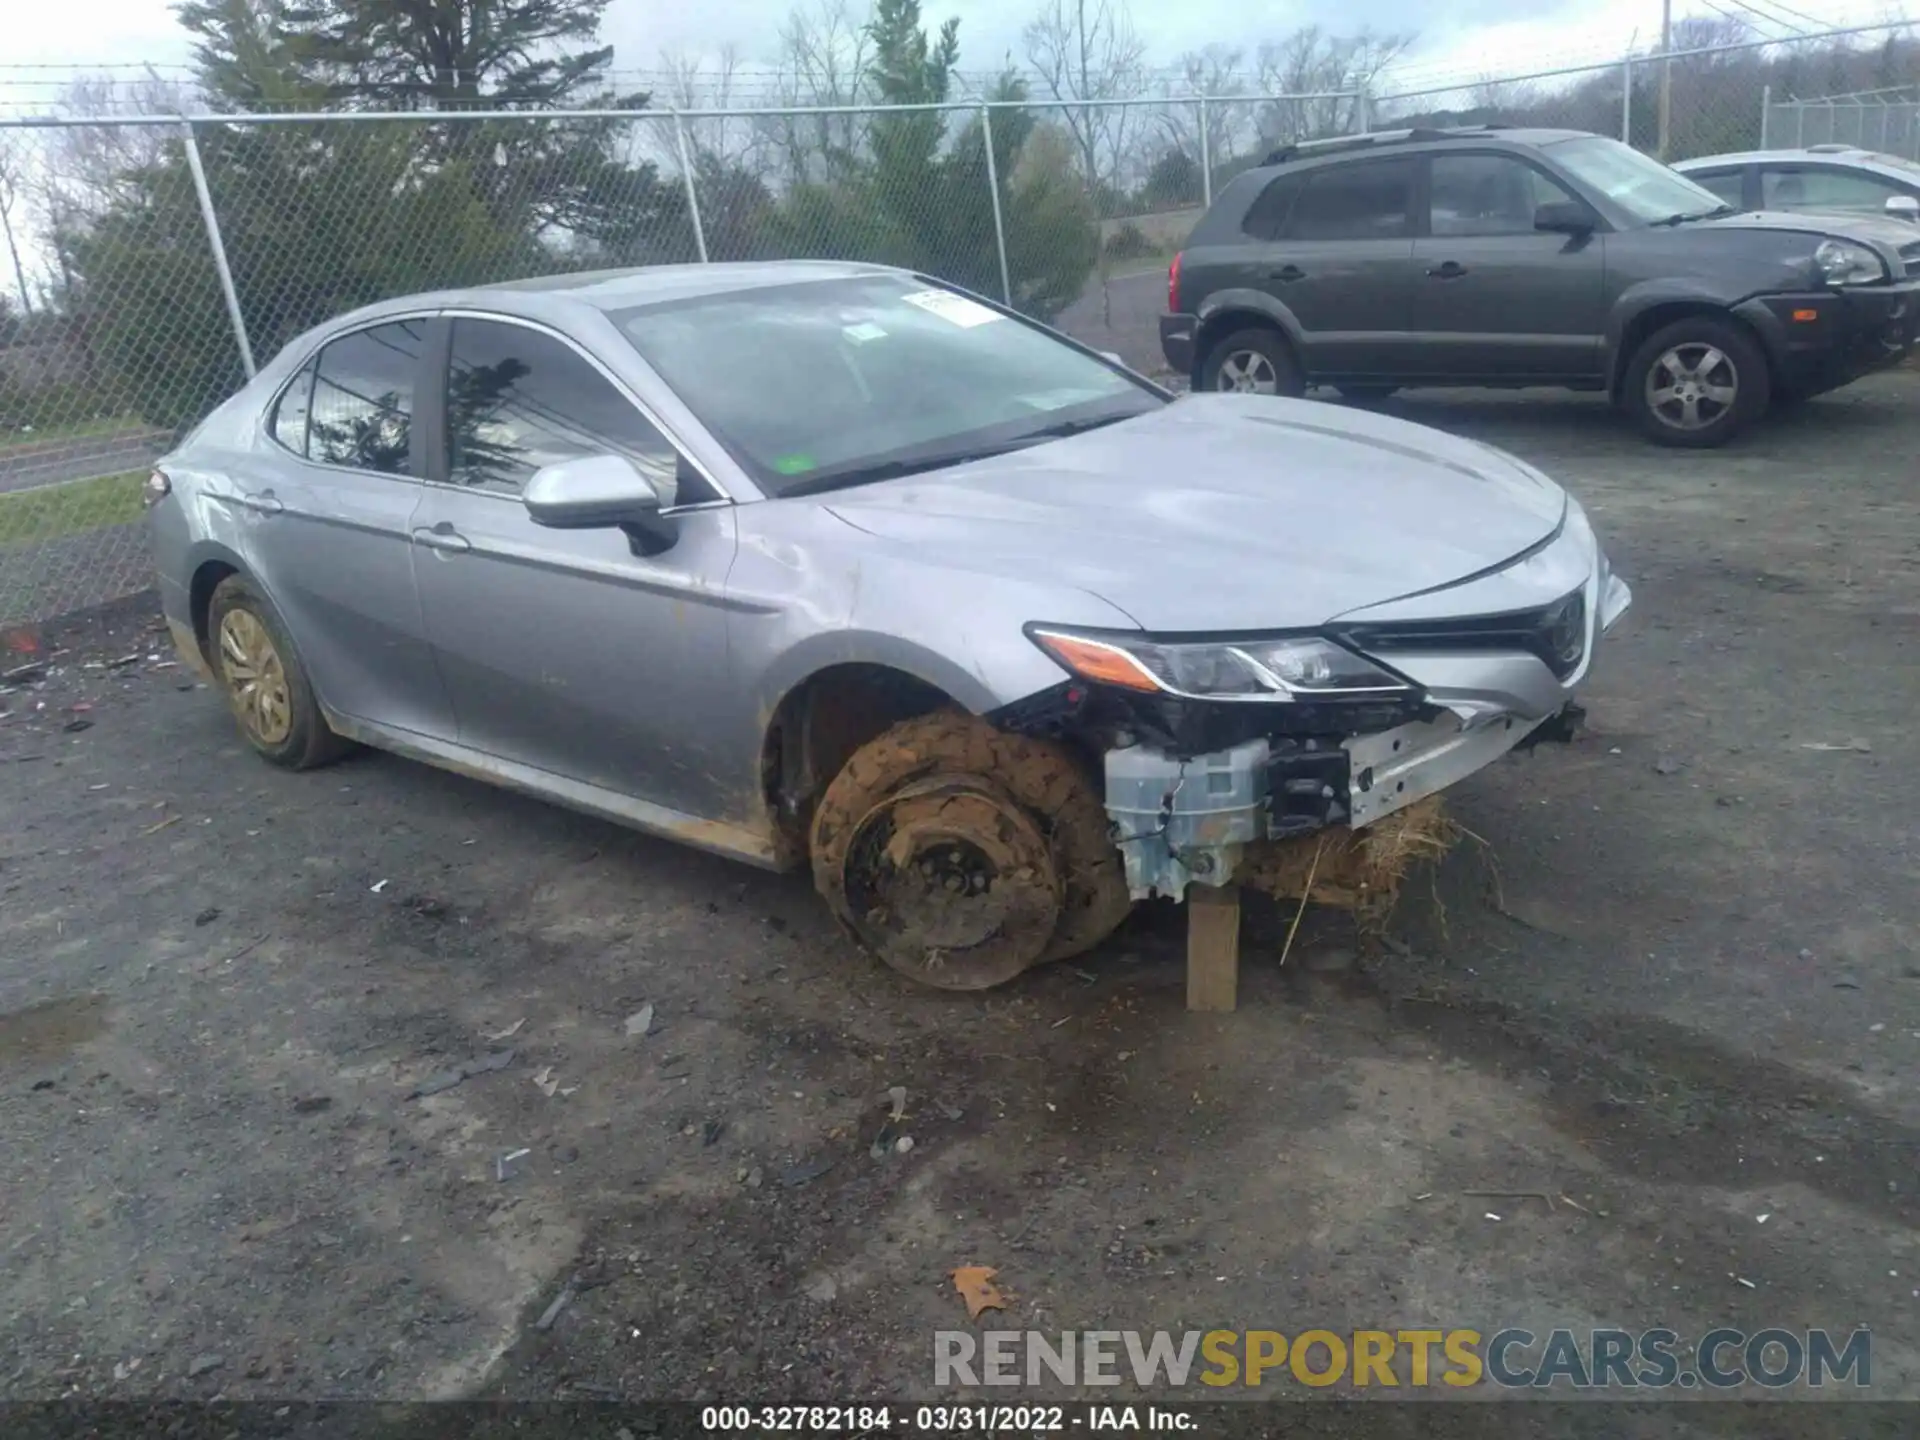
(1312, 761)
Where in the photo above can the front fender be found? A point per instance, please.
(1636, 300)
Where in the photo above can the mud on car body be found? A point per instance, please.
(834, 566)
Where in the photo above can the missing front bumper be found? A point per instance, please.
(1184, 821)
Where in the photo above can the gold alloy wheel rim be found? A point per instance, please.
(256, 681)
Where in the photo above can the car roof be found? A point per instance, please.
(621, 289)
(1829, 154)
(1520, 137)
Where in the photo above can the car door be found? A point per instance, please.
(328, 530)
(1334, 246)
(566, 650)
(1495, 298)
(1832, 188)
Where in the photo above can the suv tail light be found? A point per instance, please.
(1173, 285)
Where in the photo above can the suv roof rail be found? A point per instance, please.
(1831, 148)
(1336, 143)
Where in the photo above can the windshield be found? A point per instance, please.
(1641, 186)
(843, 381)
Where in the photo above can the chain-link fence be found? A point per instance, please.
(180, 252)
(1886, 120)
(168, 255)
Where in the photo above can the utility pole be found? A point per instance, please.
(1666, 76)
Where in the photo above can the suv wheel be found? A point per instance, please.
(1696, 383)
(1253, 362)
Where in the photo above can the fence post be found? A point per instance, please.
(212, 222)
(1626, 101)
(693, 194)
(993, 189)
(1362, 110)
(1766, 113)
(1206, 156)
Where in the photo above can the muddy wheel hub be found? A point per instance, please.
(949, 881)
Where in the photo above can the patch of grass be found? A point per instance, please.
(107, 427)
(49, 511)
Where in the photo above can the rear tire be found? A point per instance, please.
(265, 685)
(1696, 383)
(1254, 361)
(962, 855)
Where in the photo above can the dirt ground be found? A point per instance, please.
(1690, 999)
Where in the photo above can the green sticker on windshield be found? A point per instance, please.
(795, 464)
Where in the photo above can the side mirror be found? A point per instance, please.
(1904, 207)
(1566, 217)
(595, 492)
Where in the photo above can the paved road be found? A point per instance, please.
(26, 464)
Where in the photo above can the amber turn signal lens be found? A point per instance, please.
(1803, 316)
(1090, 660)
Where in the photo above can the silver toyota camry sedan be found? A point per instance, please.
(833, 565)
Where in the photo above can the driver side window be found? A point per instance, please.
(519, 398)
(1487, 195)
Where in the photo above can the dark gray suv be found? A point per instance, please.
(1498, 257)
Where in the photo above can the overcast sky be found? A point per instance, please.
(1458, 39)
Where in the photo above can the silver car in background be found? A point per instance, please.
(834, 565)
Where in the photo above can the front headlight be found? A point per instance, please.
(1288, 668)
(1841, 262)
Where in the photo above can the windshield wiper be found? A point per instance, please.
(919, 465)
(1687, 216)
(889, 470)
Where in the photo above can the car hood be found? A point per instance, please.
(1225, 512)
(1872, 229)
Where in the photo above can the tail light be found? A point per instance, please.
(1173, 285)
(157, 488)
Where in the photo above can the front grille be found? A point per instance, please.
(1557, 633)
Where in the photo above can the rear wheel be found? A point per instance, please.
(961, 855)
(1696, 383)
(263, 681)
(1254, 361)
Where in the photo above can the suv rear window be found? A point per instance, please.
(1267, 216)
(1365, 201)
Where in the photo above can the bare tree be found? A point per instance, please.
(692, 84)
(1214, 70)
(825, 53)
(1335, 71)
(12, 169)
(1088, 50)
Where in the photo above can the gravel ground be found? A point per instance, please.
(1679, 987)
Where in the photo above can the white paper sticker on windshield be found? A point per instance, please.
(861, 333)
(957, 309)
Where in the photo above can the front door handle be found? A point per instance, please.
(443, 537)
(1287, 274)
(266, 502)
(1450, 270)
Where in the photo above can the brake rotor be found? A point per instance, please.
(950, 882)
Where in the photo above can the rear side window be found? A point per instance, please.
(362, 414)
(1366, 201)
(1266, 218)
(1819, 188)
(291, 409)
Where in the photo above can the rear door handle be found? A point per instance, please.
(1450, 270)
(266, 502)
(1287, 274)
(443, 537)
